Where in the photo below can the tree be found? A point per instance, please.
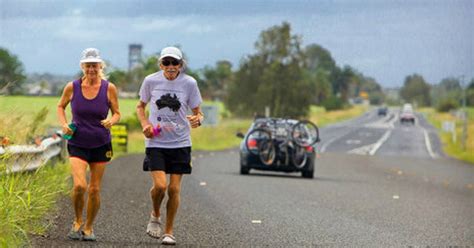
(217, 80)
(370, 85)
(320, 86)
(416, 90)
(196, 74)
(342, 79)
(471, 85)
(11, 73)
(119, 78)
(448, 90)
(318, 65)
(470, 93)
(272, 77)
(318, 58)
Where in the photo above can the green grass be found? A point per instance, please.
(29, 105)
(454, 149)
(323, 118)
(219, 137)
(26, 199)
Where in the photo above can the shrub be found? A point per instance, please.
(333, 103)
(446, 105)
(132, 122)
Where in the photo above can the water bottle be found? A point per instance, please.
(73, 127)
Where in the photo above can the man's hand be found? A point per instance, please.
(148, 131)
(195, 120)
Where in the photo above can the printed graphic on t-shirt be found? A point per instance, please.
(169, 101)
(168, 107)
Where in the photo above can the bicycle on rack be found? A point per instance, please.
(277, 141)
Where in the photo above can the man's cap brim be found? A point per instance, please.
(170, 55)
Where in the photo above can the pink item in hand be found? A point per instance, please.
(157, 130)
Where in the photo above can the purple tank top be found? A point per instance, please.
(87, 114)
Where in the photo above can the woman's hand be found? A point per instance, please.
(107, 123)
(66, 129)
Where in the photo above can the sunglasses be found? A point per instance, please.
(168, 62)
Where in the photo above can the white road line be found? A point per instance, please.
(346, 123)
(363, 150)
(380, 142)
(395, 118)
(326, 144)
(428, 144)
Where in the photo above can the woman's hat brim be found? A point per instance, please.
(91, 60)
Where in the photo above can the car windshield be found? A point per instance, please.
(407, 108)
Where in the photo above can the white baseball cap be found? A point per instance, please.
(91, 55)
(173, 52)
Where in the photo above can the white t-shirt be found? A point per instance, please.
(169, 102)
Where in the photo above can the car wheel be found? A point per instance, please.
(308, 174)
(244, 170)
(309, 168)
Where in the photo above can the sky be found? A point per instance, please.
(383, 39)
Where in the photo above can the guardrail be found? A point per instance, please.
(30, 157)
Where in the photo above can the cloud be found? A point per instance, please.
(381, 39)
(151, 24)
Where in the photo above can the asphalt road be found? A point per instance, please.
(371, 189)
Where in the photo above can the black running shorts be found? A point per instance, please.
(169, 160)
(91, 155)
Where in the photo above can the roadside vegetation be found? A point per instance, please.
(25, 198)
(454, 149)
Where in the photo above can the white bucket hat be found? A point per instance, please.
(91, 55)
(173, 52)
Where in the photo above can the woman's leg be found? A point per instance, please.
(78, 172)
(93, 201)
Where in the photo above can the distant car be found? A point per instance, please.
(268, 145)
(407, 114)
(382, 111)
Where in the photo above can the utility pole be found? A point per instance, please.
(464, 128)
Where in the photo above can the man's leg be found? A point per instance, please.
(157, 191)
(174, 190)
(93, 200)
(78, 172)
